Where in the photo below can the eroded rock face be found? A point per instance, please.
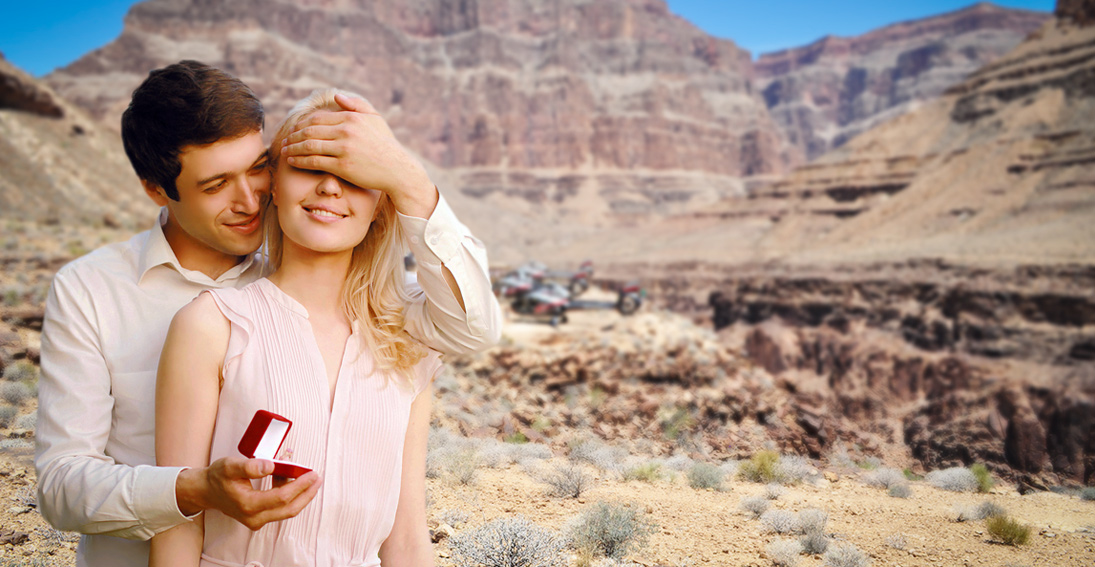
(565, 104)
(19, 92)
(825, 93)
(59, 166)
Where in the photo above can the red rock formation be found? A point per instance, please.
(599, 106)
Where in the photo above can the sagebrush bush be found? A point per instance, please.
(762, 468)
(567, 481)
(784, 552)
(755, 505)
(7, 415)
(884, 477)
(29, 421)
(1088, 493)
(956, 479)
(983, 510)
(900, 491)
(15, 393)
(508, 542)
(703, 476)
(845, 555)
(453, 516)
(983, 476)
(21, 371)
(780, 522)
(462, 466)
(794, 469)
(896, 541)
(646, 472)
(814, 543)
(611, 530)
(1006, 530)
(680, 463)
(773, 491)
(812, 520)
(600, 455)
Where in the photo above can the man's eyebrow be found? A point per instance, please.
(263, 156)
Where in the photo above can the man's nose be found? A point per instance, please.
(249, 195)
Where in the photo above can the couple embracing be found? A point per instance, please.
(157, 352)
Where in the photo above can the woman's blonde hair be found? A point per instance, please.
(373, 294)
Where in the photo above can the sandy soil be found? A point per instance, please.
(706, 528)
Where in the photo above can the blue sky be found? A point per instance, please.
(40, 36)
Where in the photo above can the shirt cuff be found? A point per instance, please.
(154, 497)
(436, 240)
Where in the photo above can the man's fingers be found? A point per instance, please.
(314, 162)
(256, 468)
(355, 104)
(314, 132)
(284, 502)
(232, 468)
(311, 147)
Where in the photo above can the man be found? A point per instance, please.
(194, 137)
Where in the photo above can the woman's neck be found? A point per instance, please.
(314, 280)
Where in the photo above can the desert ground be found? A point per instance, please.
(692, 526)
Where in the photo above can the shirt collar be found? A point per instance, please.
(157, 252)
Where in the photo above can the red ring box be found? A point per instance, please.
(263, 440)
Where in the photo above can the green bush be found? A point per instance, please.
(910, 475)
(611, 530)
(984, 477)
(1007, 530)
(1088, 493)
(516, 438)
(21, 371)
(762, 468)
(647, 472)
(703, 475)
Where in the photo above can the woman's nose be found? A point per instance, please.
(329, 185)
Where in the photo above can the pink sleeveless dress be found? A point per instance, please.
(355, 443)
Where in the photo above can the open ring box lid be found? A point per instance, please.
(263, 440)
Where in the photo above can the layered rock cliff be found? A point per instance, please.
(825, 93)
(592, 109)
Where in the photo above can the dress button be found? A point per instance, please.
(414, 240)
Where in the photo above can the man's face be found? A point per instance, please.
(218, 217)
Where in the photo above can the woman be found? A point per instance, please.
(320, 341)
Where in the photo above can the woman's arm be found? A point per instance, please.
(187, 391)
(409, 543)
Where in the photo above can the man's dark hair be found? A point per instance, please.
(188, 103)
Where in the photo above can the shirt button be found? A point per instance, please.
(414, 240)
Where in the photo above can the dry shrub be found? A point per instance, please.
(508, 542)
(755, 505)
(611, 530)
(784, 552)
(567, 481)
(845, 555)
(780, 522)
(703, 476)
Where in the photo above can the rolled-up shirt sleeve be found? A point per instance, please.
(434, 315)
(80, 487)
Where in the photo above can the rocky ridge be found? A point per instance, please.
(825, 93)
(575, 110)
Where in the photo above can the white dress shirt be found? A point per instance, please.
(107, 316)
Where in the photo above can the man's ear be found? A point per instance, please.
(155, 192)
